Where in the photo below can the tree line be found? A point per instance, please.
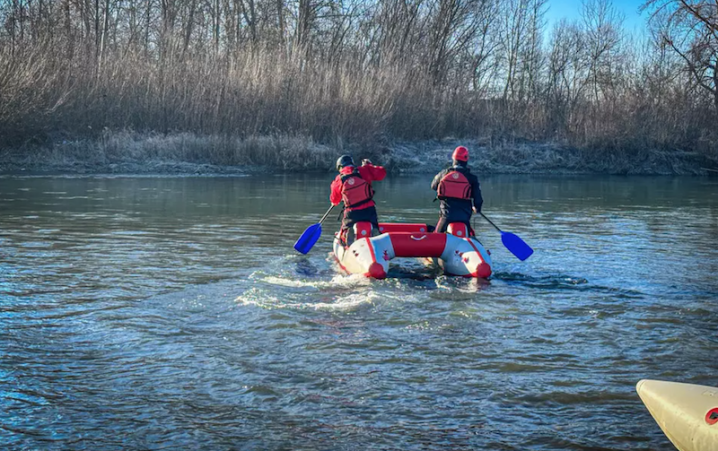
(363, 71)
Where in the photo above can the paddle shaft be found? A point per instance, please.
(483, 216)
(326, 214)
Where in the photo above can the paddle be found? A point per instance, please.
(310, 236)
(513, 243)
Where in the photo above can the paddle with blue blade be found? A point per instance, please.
(310, 236)
(513, 243)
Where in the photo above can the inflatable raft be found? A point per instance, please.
(455, 252)
(687, 413)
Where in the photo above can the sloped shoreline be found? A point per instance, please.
(189, 154)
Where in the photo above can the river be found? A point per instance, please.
(173, 313)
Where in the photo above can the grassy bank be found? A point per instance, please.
(289, 86)
(158, 153)
(186, 153)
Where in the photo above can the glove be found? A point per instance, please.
(365, 162)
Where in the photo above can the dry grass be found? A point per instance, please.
(264, 108)
(279, 151)
(132, 152)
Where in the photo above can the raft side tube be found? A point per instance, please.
(465, 257)
(417, 244)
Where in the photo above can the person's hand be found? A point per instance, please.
(475, 210)
(365, 162)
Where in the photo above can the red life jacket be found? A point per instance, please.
(355, 190)
(454, 185)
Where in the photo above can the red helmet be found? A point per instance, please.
(461, 153)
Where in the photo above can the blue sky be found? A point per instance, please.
(571, 9)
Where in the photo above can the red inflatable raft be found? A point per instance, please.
(457, 253)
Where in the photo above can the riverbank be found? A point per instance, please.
(185, 153)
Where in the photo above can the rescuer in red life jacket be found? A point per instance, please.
(458, 190)
(353, 187)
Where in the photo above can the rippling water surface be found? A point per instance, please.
(173, 313)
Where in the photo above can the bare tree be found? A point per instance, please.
(567, 75)
(690, 29)
(520, 39)
(360, 69)
(453, 30)
(601, 24)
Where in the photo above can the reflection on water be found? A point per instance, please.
(148, 313)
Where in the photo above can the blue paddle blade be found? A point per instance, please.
(310, 236)
(516, 246)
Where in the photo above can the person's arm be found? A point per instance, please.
(476, 190)
(336, 195)
(371, 173)
(437, 179)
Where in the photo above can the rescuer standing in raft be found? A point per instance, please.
(353, 187)
(458, 190)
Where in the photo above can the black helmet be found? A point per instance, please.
(344, 160)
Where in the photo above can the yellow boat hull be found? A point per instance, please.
(687, 413)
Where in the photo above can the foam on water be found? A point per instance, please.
(262, 298)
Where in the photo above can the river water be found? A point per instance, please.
(173, 313)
